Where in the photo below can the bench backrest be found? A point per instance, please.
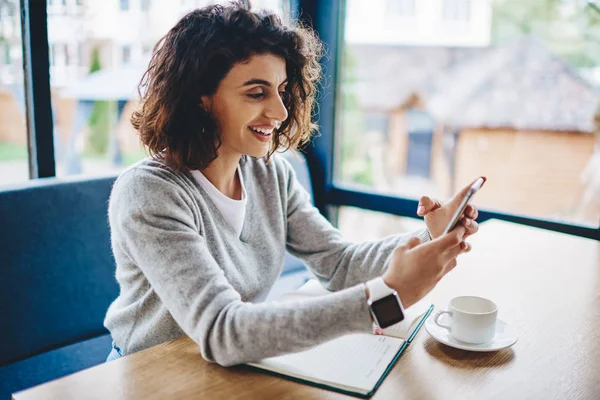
(56, 266)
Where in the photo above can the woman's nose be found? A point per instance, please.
(276, 109)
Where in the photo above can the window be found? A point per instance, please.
(92, 129)
(67, 54)
(126, 54)
(13, 130)
(400, 8)
(55, 3)
(541, 156)
(7, 54)
(419, 128)
(51, 56)
(456, 10)
(80, 56)
(426, 114)
(59, 54)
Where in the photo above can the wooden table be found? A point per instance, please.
(547, 284)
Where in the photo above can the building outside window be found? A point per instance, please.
(52, 54)
(456, 10)
(505, 97)
(6, 49)
(400, 8)
(126, 54)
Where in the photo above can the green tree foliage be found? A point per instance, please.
(100, 118)
(354, 167)
(571, 28)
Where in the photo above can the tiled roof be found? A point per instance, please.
(522, 85)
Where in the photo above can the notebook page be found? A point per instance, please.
(353, 362)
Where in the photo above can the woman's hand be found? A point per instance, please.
(437, 215)
(416, 268)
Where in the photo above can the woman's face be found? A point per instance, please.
(248, 106)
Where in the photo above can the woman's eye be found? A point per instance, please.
(262, 94)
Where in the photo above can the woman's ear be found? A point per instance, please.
(205, 103)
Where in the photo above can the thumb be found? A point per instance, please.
(450, 239)
(457, 199)
(427, 204)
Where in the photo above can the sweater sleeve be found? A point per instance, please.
(337, 263)
(153, 225)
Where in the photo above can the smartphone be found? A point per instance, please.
(463, 205)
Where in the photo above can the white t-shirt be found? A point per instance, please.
(234, 211)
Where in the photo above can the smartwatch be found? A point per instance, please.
(384, 303)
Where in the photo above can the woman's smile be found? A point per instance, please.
(263, 133)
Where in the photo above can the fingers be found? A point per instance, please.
(465, 247)
(426, 204)
(471, 226)
(449, 246)
(413, 242)
(455, 251)
(471, 212)
(446, 247)
(452, 263)
(450, 239)
(452, 253)
(450, 266)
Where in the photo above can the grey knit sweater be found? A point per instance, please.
(183, 270)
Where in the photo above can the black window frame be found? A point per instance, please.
(36, 68)
(327, 18)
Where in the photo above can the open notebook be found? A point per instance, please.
(353, 364)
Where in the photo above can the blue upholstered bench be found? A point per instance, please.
(57, 278)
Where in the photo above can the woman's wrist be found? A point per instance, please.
(367, 294)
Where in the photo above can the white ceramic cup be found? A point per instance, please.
(472, 319)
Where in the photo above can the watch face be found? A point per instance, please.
(387, 311)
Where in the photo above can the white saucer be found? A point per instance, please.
(506, 336)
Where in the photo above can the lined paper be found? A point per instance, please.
(353, 362)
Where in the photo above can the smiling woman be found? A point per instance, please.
(196, 87)
(200, 229)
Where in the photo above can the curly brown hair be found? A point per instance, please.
(191, 60)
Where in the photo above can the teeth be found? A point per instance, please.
(262, 131)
